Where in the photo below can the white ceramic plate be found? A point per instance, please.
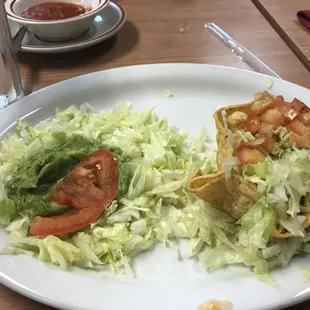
(162, 282)
(105, 25)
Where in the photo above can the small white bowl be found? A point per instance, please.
(55, 30)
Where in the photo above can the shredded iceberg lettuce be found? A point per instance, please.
(285, 184)
(152, 206)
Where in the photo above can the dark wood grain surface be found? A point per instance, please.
(282, 17)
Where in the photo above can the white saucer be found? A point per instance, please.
(105, 25)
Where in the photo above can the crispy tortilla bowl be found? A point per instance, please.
(233, 194)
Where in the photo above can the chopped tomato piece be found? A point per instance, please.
(305, 118)
(291, 114)
(260, 108)
(266, 130)
(89, 188)
(249, 155)
(299, 106)
(299, 128)
(252, 115)
(274, 117)
(301, 141)
(262, 103)
(280, 99)
(266, 102)
(242, 125)
(253, 126)
(268, 145)
(293, 110)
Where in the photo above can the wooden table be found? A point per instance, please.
(172, 31)
(165, 31)
(282, 17)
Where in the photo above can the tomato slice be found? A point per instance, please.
(262, 103)
(249, 155)
(71, 221)
(291, 114)
(242, 125)
(89, 189)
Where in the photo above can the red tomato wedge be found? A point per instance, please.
(89, 189)
(249, 155)
(68, 222)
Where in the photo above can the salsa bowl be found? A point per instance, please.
(55, 30)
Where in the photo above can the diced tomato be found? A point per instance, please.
(299, 128)
(274, 117)
(252, 115)
(266, 130)
(280, 99)
(267, 102)
(290, 114)
(305, 118)
(249, 155)
(301, 141)
(268, 145)
(242, 125)
(259, 109)
(292, 110)
(262, 103)
(299, 106)
(253, 126)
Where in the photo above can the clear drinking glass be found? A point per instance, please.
(11, 87)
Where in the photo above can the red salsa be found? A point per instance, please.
(54, 11)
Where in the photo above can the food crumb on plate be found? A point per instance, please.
(269, 83)
(168, 94)
(216, 305)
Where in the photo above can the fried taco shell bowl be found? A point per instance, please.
(234, 195)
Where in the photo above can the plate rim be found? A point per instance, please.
(8, 282)
(176, 64)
